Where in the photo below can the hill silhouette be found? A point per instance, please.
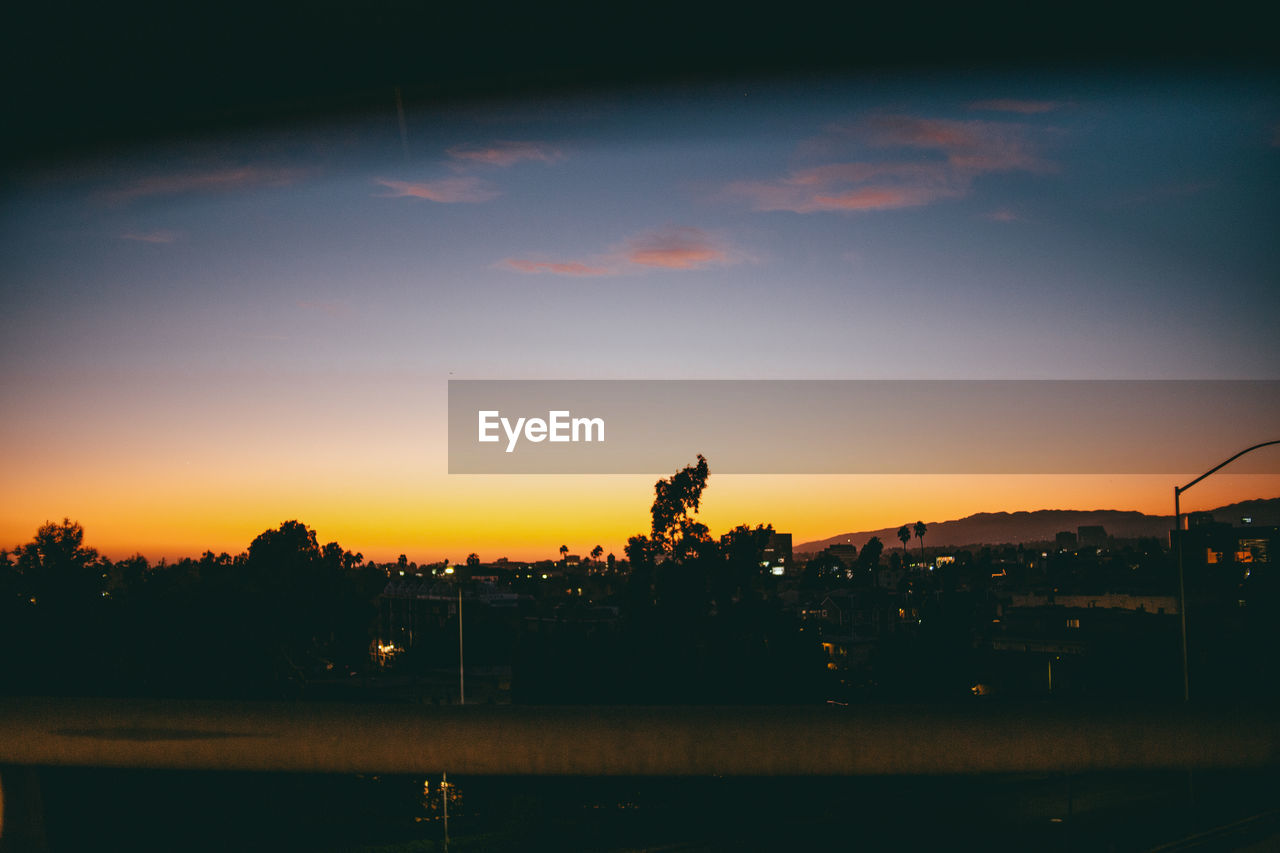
(998, 528)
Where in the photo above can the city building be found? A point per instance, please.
(776, 556)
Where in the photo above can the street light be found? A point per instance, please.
(1177, 529)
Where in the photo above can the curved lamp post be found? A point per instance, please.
(1177, 529)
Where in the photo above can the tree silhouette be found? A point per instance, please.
(473, 560)
(56, 614)
(823, 570)
(596, 552)
(336, 557)
(675, 500)
(739, 571)
(920, 529)
(564, 551)
(301, 611)
(56, 568)
(904, 536)
(700, 620)
(869, 558)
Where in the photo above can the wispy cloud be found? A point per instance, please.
(1015, 105)
(1002, 215)
(970, 146)
(209, 180)
(445, 191)
(674, 247)
(576, 269)
(954, 153)
(505, 153)
(852, 187)
(160, 236)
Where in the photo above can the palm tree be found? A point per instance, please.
(595, 554)
(564, 550)
(920, 528)
(904, 536)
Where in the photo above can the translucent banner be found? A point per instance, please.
(861, 426)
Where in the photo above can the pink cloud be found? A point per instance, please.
(967, 148)
(854, 187)
(161, 236)
(1014, 105)
(875, 198)
(674, 247)
(445, 191)
(1002, 216)
(215, 180)
(506, 153)
(973, 146)
(569, 268)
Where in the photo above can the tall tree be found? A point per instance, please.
(675, 501)
(869, 559)
(904, 536)
(564, 551)
(920, 529)
(596, 552)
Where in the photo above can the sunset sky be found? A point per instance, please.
(203, 338)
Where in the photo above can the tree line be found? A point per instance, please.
(265, 622)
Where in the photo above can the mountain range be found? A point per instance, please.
(998, 528)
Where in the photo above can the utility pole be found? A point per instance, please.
(1177, 532)
(462, 688)
(444, 799)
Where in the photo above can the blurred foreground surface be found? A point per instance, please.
(166, 810)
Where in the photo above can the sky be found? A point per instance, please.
(201, 338)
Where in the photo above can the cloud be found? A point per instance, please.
(954, 153)
(1014, 105)
(1002, 215)
(673, 247)
(971, 146)
(445, 191)
(160, 236)
(212, 180)
(854, 187)
(505, 153)
(569, 268)
(676, 248)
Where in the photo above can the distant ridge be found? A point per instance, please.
(998, 528)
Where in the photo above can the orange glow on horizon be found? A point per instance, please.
(529, 517)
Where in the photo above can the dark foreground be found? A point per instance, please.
(155, 810)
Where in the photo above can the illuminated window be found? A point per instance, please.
(1073, 623)
(1256, 548)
